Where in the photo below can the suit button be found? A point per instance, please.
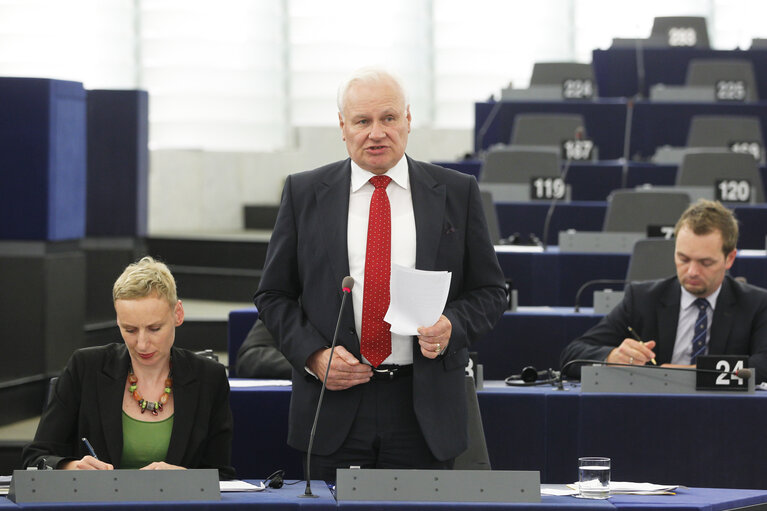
(351, 330)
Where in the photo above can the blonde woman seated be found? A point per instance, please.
(143, 403)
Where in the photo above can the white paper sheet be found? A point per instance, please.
(237, 485)
(418, 298)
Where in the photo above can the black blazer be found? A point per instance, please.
(299, 296)
(260, 357)
(87, 402)
(739, 325)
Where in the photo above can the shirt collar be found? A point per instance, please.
(398, 174)
(688, 298)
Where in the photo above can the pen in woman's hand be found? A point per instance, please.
(90, 448)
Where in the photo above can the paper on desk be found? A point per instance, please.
(418, 298)
(629, 488)
(237, 485)
(251, 382)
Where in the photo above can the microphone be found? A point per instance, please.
(627, 142)
(591, 283)
(346, 286)
(744, 373)
(485, 127)
(549, 213)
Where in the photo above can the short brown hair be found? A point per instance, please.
(705, 216)
(144, 278)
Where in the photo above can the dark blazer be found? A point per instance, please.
(739, 326)
(260, 357)
(299, 296)
(87, 402)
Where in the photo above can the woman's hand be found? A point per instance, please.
(161, 465)
(86, 463)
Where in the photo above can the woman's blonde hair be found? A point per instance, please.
(144, 278)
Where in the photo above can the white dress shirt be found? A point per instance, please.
(688, 315)
(403, 241)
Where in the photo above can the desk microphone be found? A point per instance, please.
(483, 129)
(346, 286)
(589, 283)
(744, 373)
(565, 170)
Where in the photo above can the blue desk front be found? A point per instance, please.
(706, 440)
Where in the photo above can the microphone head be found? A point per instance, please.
(744, 373)
(347, 284)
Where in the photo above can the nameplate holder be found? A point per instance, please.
(724, 380)
(438, 485)
(751, 147)
(730, 90)
(577, 88)
(733, 190)
(578, 149)
(643, 380)
(113, 485)
(547, 188)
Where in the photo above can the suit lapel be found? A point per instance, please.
(111, 385)
(186, 391)
(721, 325)
(332, 196)
(429, 210)
(668, 318)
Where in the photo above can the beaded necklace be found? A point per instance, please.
(156, 406)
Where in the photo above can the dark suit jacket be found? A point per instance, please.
(300, 295)
(260, 357)
(88, 403)
(739, 326)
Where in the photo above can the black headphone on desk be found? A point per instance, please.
(274, 480)
(531, 376)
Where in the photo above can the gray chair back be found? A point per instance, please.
(652, 258)
(546, 129)
(635, 210)
(553, 73)
(491, 216)
(516, 165)
(704, 168)
(675, 31)
(708, 72)
(476, 456)
(721, 131)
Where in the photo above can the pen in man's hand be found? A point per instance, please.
(635, 335)
(90, 448)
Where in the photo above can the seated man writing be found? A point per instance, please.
(700, 311)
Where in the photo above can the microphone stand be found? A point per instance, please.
(577, 307)
(347, 284)
(565, 170)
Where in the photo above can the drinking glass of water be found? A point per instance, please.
(594, 477)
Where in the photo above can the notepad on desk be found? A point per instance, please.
(237, 485)
(629, 488)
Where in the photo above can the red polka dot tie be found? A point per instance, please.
(375, 343)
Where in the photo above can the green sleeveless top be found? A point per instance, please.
(144, 442)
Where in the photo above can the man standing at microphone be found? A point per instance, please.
(394, 401)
